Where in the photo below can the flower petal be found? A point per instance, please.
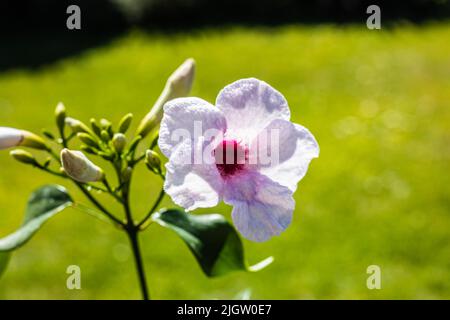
(192, 186)
(262, 208)
(296, 148)
(182, 117)
(250, 105)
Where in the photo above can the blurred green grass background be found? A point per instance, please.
(377, 102)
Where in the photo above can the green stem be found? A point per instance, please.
(133, 236)
(130, 228)
(134, 162)
(132, 231)
(152, 210)
(98, 204)
(111, 191)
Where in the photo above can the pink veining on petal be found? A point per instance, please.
(231, 157)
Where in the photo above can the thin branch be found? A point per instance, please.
(154, 207)
(98, 204)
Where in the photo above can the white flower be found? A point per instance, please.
(261, 193)
(79, 167)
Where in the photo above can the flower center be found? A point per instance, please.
(230, 157)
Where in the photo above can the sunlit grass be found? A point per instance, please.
(377, 102)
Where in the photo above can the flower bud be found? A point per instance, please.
(178, 85)
(105, 123)
(134, 143)
(181, 80)
(95, 127)
(23, 156)
(87, 139)
(76, 125)
(107, 126)
(104, 135)
(153, 161)
(125, 122)
(60, 114)
(32, 140)
(11, 137)
(119, 142)
(79, 167)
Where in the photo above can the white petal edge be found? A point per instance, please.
(297, 148)
(249, 105)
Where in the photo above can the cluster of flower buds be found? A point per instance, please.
(99, 137)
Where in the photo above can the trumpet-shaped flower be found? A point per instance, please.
(244, 151)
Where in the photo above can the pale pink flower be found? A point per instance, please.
(261, 194)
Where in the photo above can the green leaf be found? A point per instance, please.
(213, 241)
(43, 204)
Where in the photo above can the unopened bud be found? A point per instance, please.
(23, 156)
(125, 122)
(60, 114)
(11, 137)
(32, 140)
(95, 127)
(119, 142)
(178, 85)
(104, 135)
(87, 139)
(181, 80)
(153, 161)
(134, 143)
(76, 125)
(105, 124)
(79, 167)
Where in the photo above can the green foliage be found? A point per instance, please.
(213, 241)
(43, 204)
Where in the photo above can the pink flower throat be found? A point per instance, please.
(230, 157)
